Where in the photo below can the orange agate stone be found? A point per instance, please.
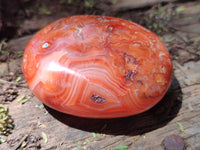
(97, 67)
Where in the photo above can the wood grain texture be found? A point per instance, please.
(130, 4)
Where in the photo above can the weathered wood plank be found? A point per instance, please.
(141, 132)
(130, 4)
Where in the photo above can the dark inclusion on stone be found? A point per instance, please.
(129, 75)
(130, 59)
(97, 99)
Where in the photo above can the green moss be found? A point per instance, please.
(158, 20)
(5, 121)
(89, 3)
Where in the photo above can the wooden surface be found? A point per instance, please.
(142, 132)
(129, 4)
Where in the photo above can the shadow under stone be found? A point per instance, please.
(158, 116)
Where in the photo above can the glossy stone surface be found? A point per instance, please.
(97, 67)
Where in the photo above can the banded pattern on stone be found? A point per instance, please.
(97, 67)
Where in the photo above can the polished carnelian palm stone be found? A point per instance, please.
(97, 67)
